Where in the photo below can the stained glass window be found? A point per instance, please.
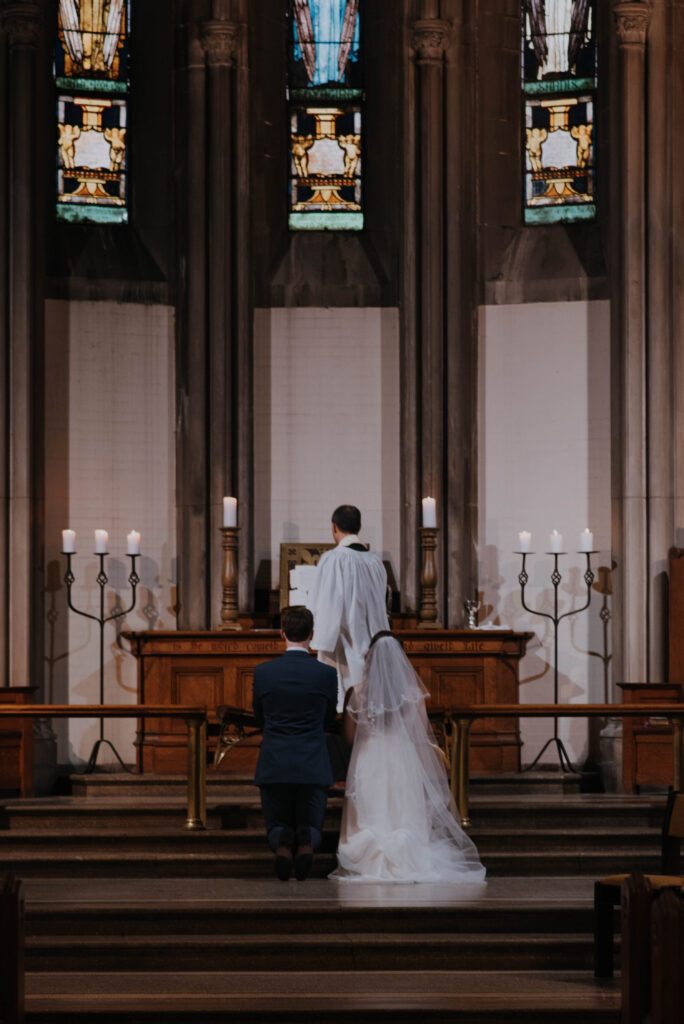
(91, 77)
(559, 84)
(325, 99)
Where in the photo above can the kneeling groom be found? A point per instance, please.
(295, 700)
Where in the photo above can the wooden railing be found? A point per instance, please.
(194, 717)
(461, 718)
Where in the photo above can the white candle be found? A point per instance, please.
(230, 511)
(524, 541)
(429, 512)
(133, 542)
(586, 540)
(101, 541)
(556, 541)
(69, 542)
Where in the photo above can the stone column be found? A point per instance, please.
(220, 38)
(192, 452)
(430, 38)
(632, 548)
(661, 136)
(22, 21)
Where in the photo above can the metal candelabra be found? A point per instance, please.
(556, 619)
(102, 620)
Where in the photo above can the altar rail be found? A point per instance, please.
(462, 717)
(195, 719)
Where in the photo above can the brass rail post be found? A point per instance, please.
(197, 774)
(460, 759)
(677, 754)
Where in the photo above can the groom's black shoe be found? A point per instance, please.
(283, 857)
(304, 857)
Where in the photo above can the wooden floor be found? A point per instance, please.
(128, 918)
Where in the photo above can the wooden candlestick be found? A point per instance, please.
(229, 605)
(428, 580)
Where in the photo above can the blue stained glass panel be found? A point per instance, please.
(558, 81)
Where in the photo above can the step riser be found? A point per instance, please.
(496, 957)
(106, 922)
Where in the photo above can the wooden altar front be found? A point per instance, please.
(214, 668)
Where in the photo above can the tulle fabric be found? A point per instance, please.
(398, 823)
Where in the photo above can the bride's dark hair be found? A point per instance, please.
(383, 633)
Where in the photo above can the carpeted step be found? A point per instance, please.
(465, 996)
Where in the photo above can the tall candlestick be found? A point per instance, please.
(524, 541)
(586, 540)
(133, 543)
(101, 542)
(69, 542)
(556, 541)
(429, 513)
(230, 511)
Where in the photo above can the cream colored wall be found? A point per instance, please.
(109, 463)
(544, 457)
(326, 392)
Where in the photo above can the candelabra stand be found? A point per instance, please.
(556, 619)
(229, 604)
(102, 620)
(428, 580)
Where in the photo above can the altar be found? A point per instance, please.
(215, 668)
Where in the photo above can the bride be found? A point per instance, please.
(398, 823)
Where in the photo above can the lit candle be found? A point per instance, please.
(586, 540)
(429, 512)
(101, 541)
(69, 542)
(524, 541)
(556, 541)
(133, 542)
(230, 511)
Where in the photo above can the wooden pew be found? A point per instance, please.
(11, 951)
(652, 953)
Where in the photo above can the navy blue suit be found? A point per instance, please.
(294, 701)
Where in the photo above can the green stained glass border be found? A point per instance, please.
(317, 93)
(559, 214)
(325, 221)
(567, 85)
(91, 85)
(92, 214)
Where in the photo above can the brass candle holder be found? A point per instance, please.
(229, 604)
(428, 580)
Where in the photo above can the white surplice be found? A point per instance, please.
(348, 599)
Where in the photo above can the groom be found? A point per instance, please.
(294, 703)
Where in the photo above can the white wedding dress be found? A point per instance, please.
(398, 823)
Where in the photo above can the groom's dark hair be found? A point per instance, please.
(347, 518)
(296, 622)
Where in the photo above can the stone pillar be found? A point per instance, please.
(661, 532)
(192, 452)
(430, 38)
(22, 21)
(219, 39)
(460, 558)
(632, 547)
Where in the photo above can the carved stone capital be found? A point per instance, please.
(21, 22)
(631, 18)
(430, 39)
(220, 41)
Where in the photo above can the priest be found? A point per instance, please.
(348, 598)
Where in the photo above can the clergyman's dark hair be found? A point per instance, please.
(347, 518)
(296, 622)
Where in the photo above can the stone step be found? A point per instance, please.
(237, 811)
(347, 952)
(177, 839)
(205, 862)
(569, 997)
